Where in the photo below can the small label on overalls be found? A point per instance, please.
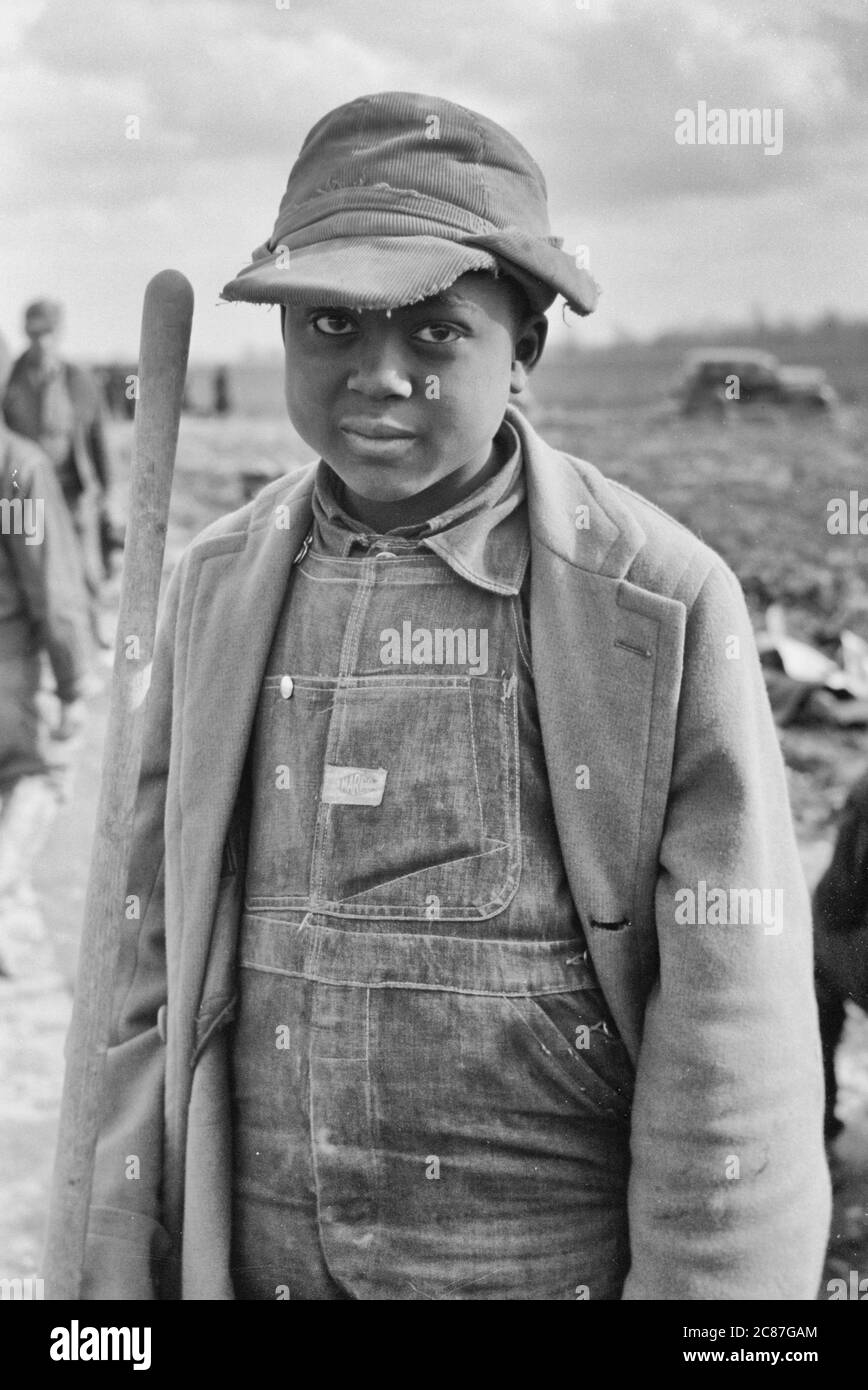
(353, 786)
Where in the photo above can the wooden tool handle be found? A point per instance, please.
(166, 321)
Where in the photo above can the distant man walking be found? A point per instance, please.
(42, 610)
(58, 405)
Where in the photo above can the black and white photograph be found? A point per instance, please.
(434, 663)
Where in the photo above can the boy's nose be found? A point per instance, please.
(378, 374)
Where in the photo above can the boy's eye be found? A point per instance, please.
(333, 325)
(439, 333)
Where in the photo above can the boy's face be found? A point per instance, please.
(396, 402)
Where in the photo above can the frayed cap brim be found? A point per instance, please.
(390, 272)
(359, 272)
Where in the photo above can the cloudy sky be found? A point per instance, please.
(225, 90)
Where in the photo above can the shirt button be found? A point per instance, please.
(287, 685)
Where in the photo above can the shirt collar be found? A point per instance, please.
(483, 538)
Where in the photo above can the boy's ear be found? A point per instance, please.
(527, 351)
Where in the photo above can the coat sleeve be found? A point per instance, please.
(88, 441)
(729, 1191)
(96, 439)
(126, 1239)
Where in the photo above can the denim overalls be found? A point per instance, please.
(429, 1097)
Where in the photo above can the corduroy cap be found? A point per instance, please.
(393, 197)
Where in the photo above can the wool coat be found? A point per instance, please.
(666, 778)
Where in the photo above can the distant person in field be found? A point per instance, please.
(58, 406)
(468, 953)
(43, 611)
(841, 935)
(222, 395)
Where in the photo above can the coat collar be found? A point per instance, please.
(575, 511)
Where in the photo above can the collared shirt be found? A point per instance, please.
(484, 538)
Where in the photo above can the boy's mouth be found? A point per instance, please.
(366, 428)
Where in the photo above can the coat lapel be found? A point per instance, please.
(607, 658)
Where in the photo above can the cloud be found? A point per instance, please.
(225, 90)
(218, 83)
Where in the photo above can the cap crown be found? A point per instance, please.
(384, 162)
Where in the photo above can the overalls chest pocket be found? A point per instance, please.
(412, 789)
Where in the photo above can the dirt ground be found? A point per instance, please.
(756, 491)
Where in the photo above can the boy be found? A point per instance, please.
(444, 732)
